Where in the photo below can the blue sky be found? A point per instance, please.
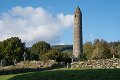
(101, 19)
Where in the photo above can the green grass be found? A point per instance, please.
(67, 74)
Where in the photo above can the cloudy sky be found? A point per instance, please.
(52, 20)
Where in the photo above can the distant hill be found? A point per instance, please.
(63, 47)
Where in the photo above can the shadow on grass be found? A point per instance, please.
(22, 70)
(85, 74)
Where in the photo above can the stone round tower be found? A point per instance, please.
(78, 41)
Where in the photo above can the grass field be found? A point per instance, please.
(67, 74)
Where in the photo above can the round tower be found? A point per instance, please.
(78, 41)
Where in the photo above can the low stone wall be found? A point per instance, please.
(29, 66)
(32, 65)
(36, 64)
(97, 64)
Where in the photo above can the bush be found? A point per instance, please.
(54, 54)
(39, 49)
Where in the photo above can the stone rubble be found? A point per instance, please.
(32, 65)
(97, 64)
(36, 64)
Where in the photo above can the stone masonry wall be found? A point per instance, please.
(97, 64)
(32, 65)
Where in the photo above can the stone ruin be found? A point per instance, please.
(35, 64)
(88, 64)
(3, 63)
(97, 64)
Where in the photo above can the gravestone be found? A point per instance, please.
(3, 63)
(68, 65)
(24, 56)
(62, 64)
(72, 58)
(15, 62)
(113, 56)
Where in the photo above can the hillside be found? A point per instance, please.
(63, 47)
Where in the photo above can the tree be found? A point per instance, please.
(12, 49)
(55, 54)
(1, 54)
(39, 49)
(87, 50)
(118, 51)
(114, 48)
(101, 50)
(52, 54)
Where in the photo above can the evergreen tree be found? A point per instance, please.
(39, 49)
(12, 49)
(88, 49)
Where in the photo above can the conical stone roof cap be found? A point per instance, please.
(78, 10)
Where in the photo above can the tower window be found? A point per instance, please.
(75, 15)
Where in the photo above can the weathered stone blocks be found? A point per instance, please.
(97, 64)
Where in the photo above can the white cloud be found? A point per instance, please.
(33, 24)
(60, 44)
(67, 20)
